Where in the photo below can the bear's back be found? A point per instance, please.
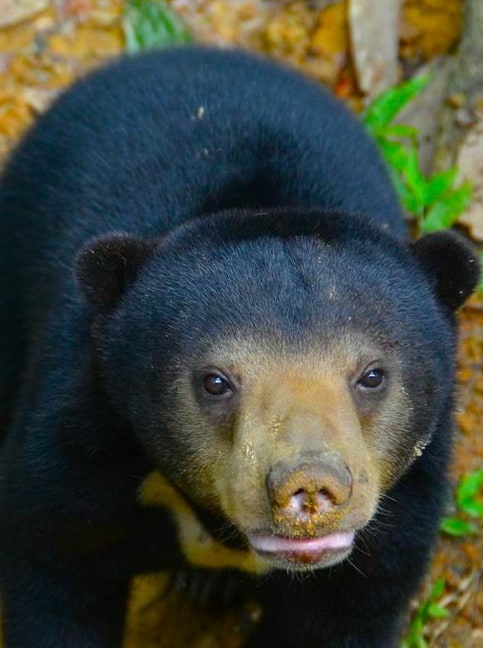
(151, 141)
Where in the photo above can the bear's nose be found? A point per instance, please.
(304, 491)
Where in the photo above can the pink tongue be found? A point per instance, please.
(280, 544)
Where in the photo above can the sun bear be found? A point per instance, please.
(219, 350)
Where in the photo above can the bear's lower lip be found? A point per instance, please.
(305, 550)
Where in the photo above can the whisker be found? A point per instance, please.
(357, 569)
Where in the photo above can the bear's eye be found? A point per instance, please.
(373, 378)
(217, 385)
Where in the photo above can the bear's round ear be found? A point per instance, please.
(107, 265)
(451, 265)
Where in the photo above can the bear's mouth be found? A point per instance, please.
(306, 552)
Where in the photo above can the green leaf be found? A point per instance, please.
(439, 183)
(395, 153)
(428, 609)
(437, 590)
(151, 23)
(385, 107)
(414, 178)
(435, 611)
(445, 212)
(433, 201)
(469, 490)
(473, 508)
(411, 202)
(420, 642)
(401, 130)
(397, 157)
(457, 527)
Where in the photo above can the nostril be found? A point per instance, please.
(310, 502)
(298, 501)
(324, 500)
(325, 495)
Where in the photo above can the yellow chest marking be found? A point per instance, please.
(198, 547)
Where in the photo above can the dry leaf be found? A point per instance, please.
(374, 36)
(330, 37)
(79, 9)
(470, 165)
(15, 11)
(430, 27)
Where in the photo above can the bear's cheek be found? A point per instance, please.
(392, 438)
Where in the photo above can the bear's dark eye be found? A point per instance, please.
(217, 385)
(371, 379)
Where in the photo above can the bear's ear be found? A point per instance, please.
(107, 265)
(451, 265)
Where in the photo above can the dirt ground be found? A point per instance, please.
(46, 44)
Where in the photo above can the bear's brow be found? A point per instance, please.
(283, 223)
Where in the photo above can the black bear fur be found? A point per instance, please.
(105, 197)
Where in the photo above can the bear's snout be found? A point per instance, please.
(301, 491)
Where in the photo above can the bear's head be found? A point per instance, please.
(282, 368)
